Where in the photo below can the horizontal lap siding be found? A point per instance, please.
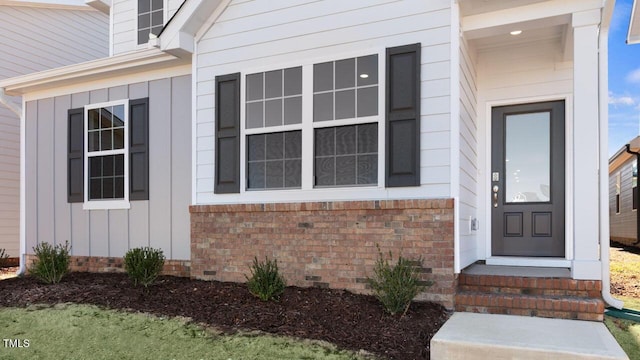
(622, 225)
(36, 39)
(254, 33)
(161, 222)
(468, 155)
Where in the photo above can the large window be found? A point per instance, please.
(106, 163)
(618, 193)
(150, 19)
(634, 185)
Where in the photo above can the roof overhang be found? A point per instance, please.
(621, 156)
(100, 5)
(49, 4)
(633, 36)
(118, 65)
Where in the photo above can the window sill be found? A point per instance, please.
(106, 205)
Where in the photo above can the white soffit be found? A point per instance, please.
(633, 36)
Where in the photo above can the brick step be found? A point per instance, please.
(491, 283)
(490, 289)
(564, 307)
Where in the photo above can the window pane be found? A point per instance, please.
(156, 29)
(293, 110)
(107, 166)
(293, 144)
(143, 36)
(254, 115)
(345, 73)
(156, 4)
(256, 175)
(118, 187)
(273, 112)
(156, 18)
(273, 84)
(144, 6)
(275, 174)
(94, 141)
(345, 170)
(118, 165)
(107, 188)
(368, 101)
(256, 146)
(367, 169)
(95, 189)
(293, 81)
(95, 167)
(323, 77)
(254, 87)
(345, 140)
(118, 138)
(368, 70)
(144, 21)
(106, 140)
(118, 116)
(323, 107)
(367, 138)
(275, 146)
(324, 142)
(293, 173)
(106, 118)
(94, 119)
(345, 104)
(325, 170)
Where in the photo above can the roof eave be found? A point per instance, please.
(633, 35)
(621, 156)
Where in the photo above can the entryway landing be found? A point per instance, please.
(523, 271)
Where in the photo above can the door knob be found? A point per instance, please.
(495, 195)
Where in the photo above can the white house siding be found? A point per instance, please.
(250, 34)
(514, 74)
(468, 155)
(161, 222)
(622, 224)
(34, 39)
(125, 23)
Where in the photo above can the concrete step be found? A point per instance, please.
(469, 336)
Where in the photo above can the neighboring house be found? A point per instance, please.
(37, 36)
(623, 194)
(314, 131)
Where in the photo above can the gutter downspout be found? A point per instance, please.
(4, 100)
(637, 154)
(603, 79)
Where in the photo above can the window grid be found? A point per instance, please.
(150, 19)
(264, 99)
(284, 160)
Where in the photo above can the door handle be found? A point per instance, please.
(495, 196)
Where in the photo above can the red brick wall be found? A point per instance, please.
(113, 264)
(327, 244)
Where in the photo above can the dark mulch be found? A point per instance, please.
(350, 321)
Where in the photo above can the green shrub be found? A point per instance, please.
(265, 282)
(3, 258)
(395, 286)
(143, 265)
(51, 263)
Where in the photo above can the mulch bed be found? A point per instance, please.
(351, 321)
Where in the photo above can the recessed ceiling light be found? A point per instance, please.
(364, 76)
(516, 32)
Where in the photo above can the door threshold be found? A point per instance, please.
(529, 261)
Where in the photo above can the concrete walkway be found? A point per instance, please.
(472, 336)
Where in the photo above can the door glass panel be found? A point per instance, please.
(527, 157)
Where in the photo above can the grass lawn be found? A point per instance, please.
(627, 333)
(625, 285)
(68, 331)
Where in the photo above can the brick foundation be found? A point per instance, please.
(114, 264)
(326, 244)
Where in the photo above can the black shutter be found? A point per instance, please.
(75, 156)
(227, 134)
(139, 149)
(403, 116)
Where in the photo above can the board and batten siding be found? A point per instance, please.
(622, 224)
(468, 155)
(250, 34)
(161, 222)
(35, 39)
(125, 23)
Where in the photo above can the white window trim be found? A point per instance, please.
(111, 204)
(308, 126)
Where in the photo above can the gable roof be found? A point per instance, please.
(633, 36)
(621, 156)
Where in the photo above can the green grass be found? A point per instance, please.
(627, 333)
(68, 331)
(629, 302)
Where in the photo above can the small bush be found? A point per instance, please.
(143, 265)
(3, 258)
(395, 286)
(52, 262)
(265, 282)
